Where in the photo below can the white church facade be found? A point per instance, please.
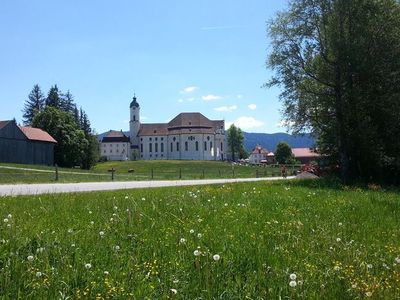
(189, 136)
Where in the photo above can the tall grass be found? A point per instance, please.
(162, 243)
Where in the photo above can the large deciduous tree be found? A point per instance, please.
(235, 140)
(283, 153)
(338, 62)
(33, 105)
(71, 141)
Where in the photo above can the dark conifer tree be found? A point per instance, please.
(53, 98)
(33, 105)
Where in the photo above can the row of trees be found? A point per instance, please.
(58, 114)
(338, 62)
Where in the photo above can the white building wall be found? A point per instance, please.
(115, 151)
(174, 147)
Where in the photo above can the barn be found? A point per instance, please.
(25, 145)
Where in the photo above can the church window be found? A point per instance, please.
(172, 148)
(210, 145)
(174, 139)
(104, 151)
(117, 151)
(156, 147)
(141, 139)
(150, 139)
(155, 131)
(186, 146)
(141, 147)
(221, 147)
(110, 150)
(150, 147)
(134, 118)
(177, 146)
(205, 146)
(156, 139)
(208, 138)
(162, 138)
(162, 148)
(197, 146)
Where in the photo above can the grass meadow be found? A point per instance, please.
(142, 170)
(286, 240)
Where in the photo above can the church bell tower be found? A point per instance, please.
(134, 123)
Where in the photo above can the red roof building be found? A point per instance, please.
(305, 155)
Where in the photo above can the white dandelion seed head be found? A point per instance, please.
(111, 219)
(91, 222)
(9, 216)
(182, 241)
(340, 223)
(191, 231)
(216, 257)
(101, 233)
(5, 220)
(116, 207)
(338, 239)
(143, 198)
(196, 252)
(397, 260)
(174, 291)
(90, 212)
(88, 266)
(106, 273)
(8, 225)
(30, 258)
(199, 235)
(292, 283)
(38, 274)
(70, 230)
(226, 204)
(293, 276)
(369, 266)
(336, 268)
(368, 294)
(117, 248)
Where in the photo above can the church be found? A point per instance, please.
(188, 136)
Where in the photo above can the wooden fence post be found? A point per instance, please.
(56, 172)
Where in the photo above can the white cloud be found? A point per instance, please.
(226, 108)
(211, 97)
(245, 123)
(252, 106)
(239, 96)
(189, 89)
(284, 124)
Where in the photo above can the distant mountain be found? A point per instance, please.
(270, 140)
(266, 140)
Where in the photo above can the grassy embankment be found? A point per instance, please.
(341, 243)
(142, 170)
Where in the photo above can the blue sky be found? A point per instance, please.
(177, 56)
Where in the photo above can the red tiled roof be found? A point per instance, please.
(116, 137)
(259, 150)
(153, 129)
(304, 152)
(37, 134)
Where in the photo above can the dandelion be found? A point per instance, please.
(116, 207)
(292, 284)
(143, 198)
(196, 252)
(30, 258)
(368, 294)
(369, 266)
(5, 220)
(38, 274)
(114, 214)
(174, 291)
(91, 222)
(293, 276)
(182, 241)
(88, 266)
(72, 245)
(397, 260)
(9, 216)
(70, 230)
(216, 257)
(191, 231)
(117, 248)
(340, 223)
(226, 204)
(336, 268)
(106, 273)
(338, 239)
(101, 233)
(90, 212)
(199, 235)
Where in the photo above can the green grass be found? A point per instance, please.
(342, 243)
(142, 170)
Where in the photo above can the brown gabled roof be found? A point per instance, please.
(259, 150)
(190, 120)
(114, 136)
(37, 134)
(304, 152)
(153, 129)
(4, 123)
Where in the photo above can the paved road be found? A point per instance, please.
(34, 189)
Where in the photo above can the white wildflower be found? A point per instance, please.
(174, 291)
(182, 241)
(191, 231)
(293, 276)
(38, 274)
(88, 266)
(196, 252)
(216, 257)
(101, 233)
(338, 239)
(292, 283)
(5, 220)
(30, 258)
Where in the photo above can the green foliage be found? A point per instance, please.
(33, 105)
(341, 82)
(330, 238)
(71, 141)
(283, 153)
(235, 141)
(54, 97)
